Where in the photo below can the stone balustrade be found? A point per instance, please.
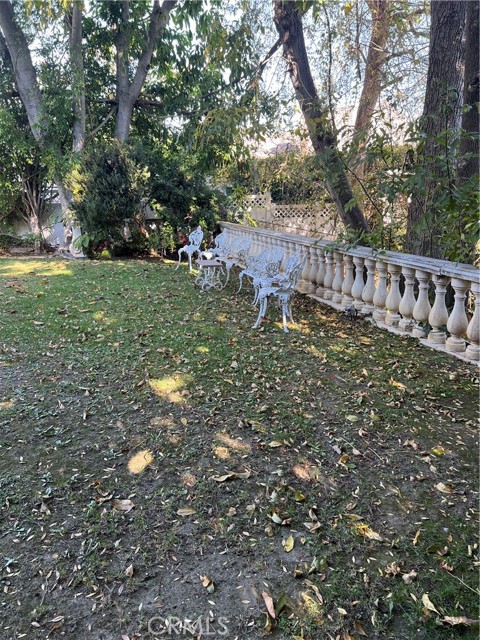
(403, 293)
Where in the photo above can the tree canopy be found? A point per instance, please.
(206, 81)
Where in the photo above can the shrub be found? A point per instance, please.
(177, 193)
(107, 188)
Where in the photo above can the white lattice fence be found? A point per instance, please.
(301, 219)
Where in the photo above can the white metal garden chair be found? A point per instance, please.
(235, 252)
(219, 248)
(193, 246)
(283, 290)
(275, 279)
(266, 264)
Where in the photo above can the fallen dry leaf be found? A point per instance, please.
(444, 488)
(365, 531)
(186, 511)
(122, 505)
(243, 475)
(358, 628)
(289, 543)
(269, 604)
(428, 604)
(409, 577)
(456, 620)
(207, 583)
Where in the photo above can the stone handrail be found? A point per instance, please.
(370, 281)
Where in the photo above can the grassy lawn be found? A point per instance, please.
(160, 458)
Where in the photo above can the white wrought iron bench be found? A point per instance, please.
(193, 246)
(282, 288)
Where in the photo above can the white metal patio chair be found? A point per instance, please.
(219, 248)
(267, 280)
(193, 246)
(283, 291)
(267, 264)
(235, 252)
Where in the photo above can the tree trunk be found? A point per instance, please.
(78, 79)
(27, 85)
(24, 71)
(372, 83)
(441, 118)
(128, 93)
(289, 26)
(469, 144)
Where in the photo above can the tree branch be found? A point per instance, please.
(104, 121)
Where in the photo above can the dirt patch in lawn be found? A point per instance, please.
(183, 469)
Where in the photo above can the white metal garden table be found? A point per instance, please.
(209, 275)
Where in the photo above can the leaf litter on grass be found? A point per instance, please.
(338, 419)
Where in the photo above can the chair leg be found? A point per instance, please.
(240, 277)
(290, 315)
(228, 267)
(180, 251)
(256, 290)
(261, 312)
(189, 261)
(284, 315)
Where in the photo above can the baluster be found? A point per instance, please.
(286, 250)
(312, 274)
(266, 242)
(320, 273)
(422, 307)
(359, 283)
(438, 316)
(381, 292)
(338, 278)
(369, 288)
(457, 323)
(292, 247)
(304, 278)
(257, 243)
(473, 330)
(348, 281)
(394, 298)
(407, 303)
(327, 281)
(278, 243)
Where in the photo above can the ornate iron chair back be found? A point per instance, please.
(194, 241)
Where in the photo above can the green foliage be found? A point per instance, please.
(451, 217)
(9, 238)
(291, 177)
(108, 188)
(177, 191)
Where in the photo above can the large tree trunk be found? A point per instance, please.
(441, 114)
(78, 73)
(128, 93)
(27, 85)
(469, 144)
(34, 200)
(289, 26)
(24, 71)
(372, 83)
